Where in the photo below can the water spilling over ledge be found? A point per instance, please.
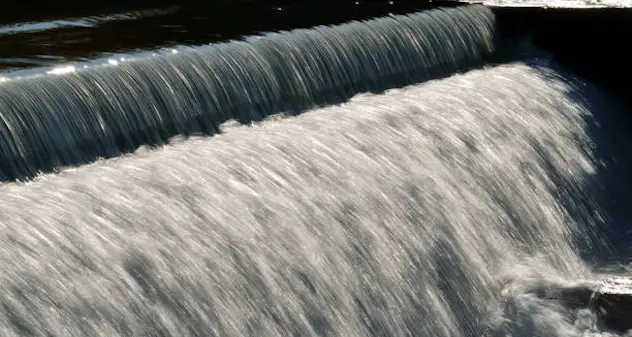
(52, 121)
(467, 206)
(415, 212)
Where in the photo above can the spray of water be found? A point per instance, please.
(424, 211)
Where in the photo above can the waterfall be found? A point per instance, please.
(423, 211)
(80, 115)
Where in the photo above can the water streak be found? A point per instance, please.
(420, 212)
(52, 121)
(85, 22)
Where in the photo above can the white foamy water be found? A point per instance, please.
(424, 211)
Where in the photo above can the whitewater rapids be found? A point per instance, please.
(419, 212)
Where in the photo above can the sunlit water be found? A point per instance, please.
(73, 116)
(77, 39)
(84, 22)
(425, 211)
(436, 209)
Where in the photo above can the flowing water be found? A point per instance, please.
(51, 121)
(424, 211)
(60, 38)
(428, 210)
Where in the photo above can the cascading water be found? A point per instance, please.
(429, 210)
(398, 214)
(51, 121)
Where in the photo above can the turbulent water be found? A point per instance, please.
(424, 211)
(440, 209)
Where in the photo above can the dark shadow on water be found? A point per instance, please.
(609, 127)
(594, 77)
(588, 43)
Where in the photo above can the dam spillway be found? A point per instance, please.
(376, 184)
